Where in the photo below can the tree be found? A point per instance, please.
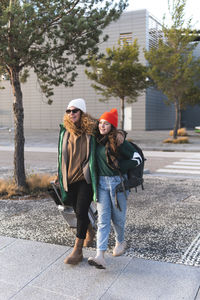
(172, 66)
(119, 74)
(50, 37)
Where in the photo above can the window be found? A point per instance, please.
(155, 32)
(127, 37)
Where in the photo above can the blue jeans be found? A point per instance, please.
(108, 211)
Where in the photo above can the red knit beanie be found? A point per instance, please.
(111, 117)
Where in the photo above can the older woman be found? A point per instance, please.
(75, 171)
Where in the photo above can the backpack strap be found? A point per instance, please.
(121, 185)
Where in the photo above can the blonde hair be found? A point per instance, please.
(87, 124)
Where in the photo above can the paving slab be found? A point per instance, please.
(7, 290)
(198, 295)
(32, 293)
(82, 281)
(35, 271)
(22, 260)
(150, 280)
(6, 241)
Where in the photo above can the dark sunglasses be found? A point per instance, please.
(73, 111)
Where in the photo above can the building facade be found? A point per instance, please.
(149, 112)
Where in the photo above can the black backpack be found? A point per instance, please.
(135, 175)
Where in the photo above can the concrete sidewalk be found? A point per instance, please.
(35, 271)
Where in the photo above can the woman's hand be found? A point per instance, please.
(120, 138)
(56, 181)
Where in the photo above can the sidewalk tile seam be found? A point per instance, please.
(8, 245)
(197, 294)
(50, 291)
(116, 277)
(40, 273)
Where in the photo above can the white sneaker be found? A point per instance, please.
(119, 248)
(98, 262)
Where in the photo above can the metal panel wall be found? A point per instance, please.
(191, 117)
(159, 115)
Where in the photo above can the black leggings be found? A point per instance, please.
(81, 196)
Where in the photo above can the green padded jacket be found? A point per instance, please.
(89, 169)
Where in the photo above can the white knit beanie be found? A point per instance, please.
(78, 103)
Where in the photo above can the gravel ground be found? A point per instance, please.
(162, 221)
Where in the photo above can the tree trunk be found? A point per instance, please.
(19, 169)
(179, 122)
(177, 108)
(122, 114)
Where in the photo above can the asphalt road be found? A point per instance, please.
(35, 162)
(46, 162)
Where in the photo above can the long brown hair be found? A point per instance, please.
(110, 138)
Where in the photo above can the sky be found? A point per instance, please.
(158, 8)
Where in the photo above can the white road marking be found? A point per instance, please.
(192, 254)
(178, 171)
(187, 163)
(183, 167)
(171, 154)
(190, 160)
(31, 149)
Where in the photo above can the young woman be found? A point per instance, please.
(113, 154)
(75, 171)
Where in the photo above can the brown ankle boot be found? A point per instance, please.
(88, 241)
(77, 255)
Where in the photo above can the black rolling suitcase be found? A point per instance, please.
(67, 211)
